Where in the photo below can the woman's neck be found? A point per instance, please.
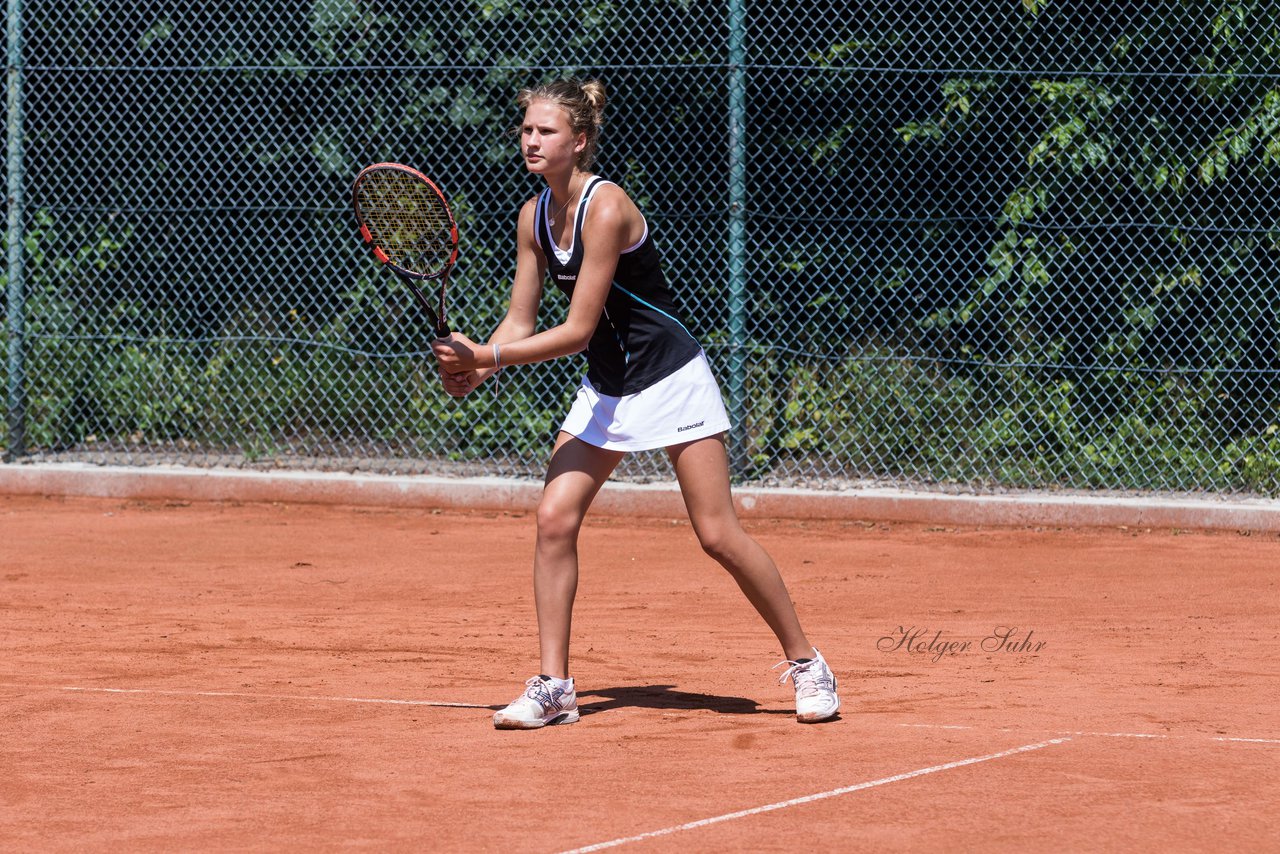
(566, 187)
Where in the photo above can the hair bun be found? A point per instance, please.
(593, 91)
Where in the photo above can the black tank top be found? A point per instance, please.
(639, 338)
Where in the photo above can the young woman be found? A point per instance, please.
(648, 385)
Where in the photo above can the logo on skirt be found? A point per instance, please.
(691, 426)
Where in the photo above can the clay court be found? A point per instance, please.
(185, 675)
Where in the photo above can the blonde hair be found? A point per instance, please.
(583, 102)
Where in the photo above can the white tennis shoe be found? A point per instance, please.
(543, 702)
(816, 698)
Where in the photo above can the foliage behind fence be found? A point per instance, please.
(1015, 243)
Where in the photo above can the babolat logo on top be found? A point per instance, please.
(565, 277)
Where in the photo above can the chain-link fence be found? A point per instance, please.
(1012, 242)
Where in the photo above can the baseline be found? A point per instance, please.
(306, 698)
(321, 698)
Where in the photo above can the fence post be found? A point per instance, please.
(737, 241)
(16, 393)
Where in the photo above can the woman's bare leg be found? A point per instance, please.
(702, 467)
(574, 476)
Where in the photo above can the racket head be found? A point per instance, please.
(405, 220)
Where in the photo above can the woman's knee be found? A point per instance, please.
(721, 541)
(557, 522)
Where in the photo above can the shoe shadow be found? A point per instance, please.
(666, 697)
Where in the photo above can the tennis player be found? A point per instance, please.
(648, 385)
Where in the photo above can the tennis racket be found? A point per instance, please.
(405, 220)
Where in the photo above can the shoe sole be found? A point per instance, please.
(818, 717)
(569, 717)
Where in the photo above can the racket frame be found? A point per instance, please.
(413, 278)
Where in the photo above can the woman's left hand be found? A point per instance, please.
(457, 353)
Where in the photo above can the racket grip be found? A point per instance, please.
(443, 330)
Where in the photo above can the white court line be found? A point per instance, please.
(896, 778)
(304, 697)
(443, 704)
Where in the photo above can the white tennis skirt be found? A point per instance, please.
(680, 408)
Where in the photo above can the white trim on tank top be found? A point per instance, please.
(565, 255)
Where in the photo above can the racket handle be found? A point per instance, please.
(442, 329)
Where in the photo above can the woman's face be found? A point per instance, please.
(547, 141)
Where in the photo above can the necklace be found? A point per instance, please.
(551, 220)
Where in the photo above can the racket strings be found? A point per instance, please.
(407, 221)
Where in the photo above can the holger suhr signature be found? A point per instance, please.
(1007, 639)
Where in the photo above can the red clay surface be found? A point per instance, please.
(252, 677)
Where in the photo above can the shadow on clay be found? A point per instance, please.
(666, 697)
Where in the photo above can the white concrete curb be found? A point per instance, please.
(622, 499)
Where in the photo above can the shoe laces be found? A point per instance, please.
(809, 677)
(539, 690)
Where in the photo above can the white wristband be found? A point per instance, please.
(497, 357)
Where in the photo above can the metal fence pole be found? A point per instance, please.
(737, 241)
(16, 407)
